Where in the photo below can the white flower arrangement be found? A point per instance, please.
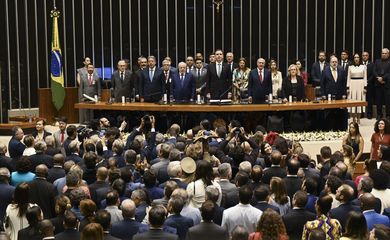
(314, 136)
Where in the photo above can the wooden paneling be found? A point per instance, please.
(220, 108)
(48, 111)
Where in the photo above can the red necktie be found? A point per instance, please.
(62, 137)
(90, 79)
(260, 77)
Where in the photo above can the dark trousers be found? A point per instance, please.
(370, 97)
(382, 95)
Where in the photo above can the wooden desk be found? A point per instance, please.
(220, 108)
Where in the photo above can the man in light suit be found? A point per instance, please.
(317, 68)
(61, 135)
(259, 83)
(183, 85)
(122, 82)
(334, 82)
(91, 86)
(219, 78)
(200, 74)
(152, 82)
(367, 203)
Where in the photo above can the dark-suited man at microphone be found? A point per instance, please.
(183, 85)
(122, 82)
(219, 78)
(259, 83)
(152, 82)
(200, 74)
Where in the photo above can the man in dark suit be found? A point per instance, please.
(344, 195)
(40, 156)
(58, 168)
(219, 78)
(183, 85)
(7, 191)
(317, 69)
(122, 82)
(275, 170)
(370, 95)
(190, 65)
(259, 83)
(261, 194)
(103, 217)
(200, 74)
(207, 229)
(128, 227)
(15, 145)
(382, 83)
(157, 217)
(5, 161)
(152, 82)
(70, 226)
(74, 150)
(230, 61)
(42, 192)
(100, 187)
(176, 220)
(344, 61)
(292, 181)
(298, 216)
(334, 83)
(142, 63)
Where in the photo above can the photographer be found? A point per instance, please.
(148, 131)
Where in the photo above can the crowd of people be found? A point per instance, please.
(213, 181)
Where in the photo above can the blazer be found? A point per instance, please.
(258, 90)
(15, 148)
(68, 234)
(200, 80)
(122, 88)
(295, 220)
(183, 90)
(293, 184)
(330, 86)
(207, 230)
(55, 173)
(90, 90)
(45, 134)
(181, 223)
(57, 137)
(24, 234)
(43, 194)
(273, 171)
(218, 87)
(287, 88)
(125, 229)
(41, 158)
(341, 212)
(6, 197)
(382, 69)
(152, 89)
(316, 73)
(373, 218)
(264, 205)
(155, 234)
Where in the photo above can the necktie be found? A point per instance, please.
(181, 79)
(198, 73)
(219, 70)
(151, 75)
(334, 73)
(231, 67)
(121, 76)
(260, 77)
(166, 76)
(344, 65)
(62, 137)
(90, 80)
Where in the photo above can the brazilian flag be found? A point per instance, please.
(56, 70)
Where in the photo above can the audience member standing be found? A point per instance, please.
(357, 85)
(382, 83)
(381, 136)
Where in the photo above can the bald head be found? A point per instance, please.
(276, 157)
(128, 209)
(367, 201)
(101, 174)
(58, 159)
(41, 170)
(179, 192)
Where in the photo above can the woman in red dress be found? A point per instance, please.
(380, 137)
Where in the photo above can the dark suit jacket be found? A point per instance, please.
(24, 234)
(295, 220)
(264, 205)
(7, 162)
(235, 65)
(108, 236)
(58, 223)
(45, 134)
(346, 65)
(273, 171)
(152, 89)
(74, 157)
(316, 73)
(43, 193)
(218, 87)
(183, 90)
(125, 229)
(6, 196)
(378, 204)
(122, 88)
(15, 148)
(41, 158)
(329, 86)
(293, 184)
(55, 173)
(341, 212)
(201, 80)
(382, 69)
(370, 74)
(155, 234)
(207, 230)
(98, 191)
(68, 234)
(256, 89)
(181, 223)
(287, 88)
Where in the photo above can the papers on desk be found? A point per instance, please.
(220, 102)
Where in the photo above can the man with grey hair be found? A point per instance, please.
(7, 191)
(117, 149)
(183, 85)
(259, 83)
(61, 182)
(74, 148)
(164, 161)
(225, 174)
(4, 160)
(174, 172)
(245, 166)
(40, 156)
(122, 82)
(139, 198)
(187, 211)
(212, 194)
(382, 83)
(128, 227)
(365, 186)
(42, 192)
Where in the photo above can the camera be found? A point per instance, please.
(237, 131)
(83, 132)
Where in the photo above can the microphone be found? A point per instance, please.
(227, 90)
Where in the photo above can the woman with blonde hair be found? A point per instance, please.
(269, 227)
(349, 158)
(279, 197)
